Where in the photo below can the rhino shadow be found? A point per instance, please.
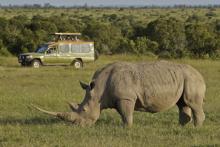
(29, 121)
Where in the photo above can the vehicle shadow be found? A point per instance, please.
(29, 121)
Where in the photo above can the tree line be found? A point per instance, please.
(168, 37)
(85, 5)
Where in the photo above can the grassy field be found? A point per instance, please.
(50, 87)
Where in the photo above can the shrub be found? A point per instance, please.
(165, 55)
(169, 33)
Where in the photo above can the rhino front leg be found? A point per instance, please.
(125, 109)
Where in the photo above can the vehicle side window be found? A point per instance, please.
(80, 48)
(85, 48)
(75, 48)
(64, 48)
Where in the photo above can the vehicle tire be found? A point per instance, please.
(35, 63)
(77, 64)
(23, 64)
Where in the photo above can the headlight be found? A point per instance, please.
(29, 57)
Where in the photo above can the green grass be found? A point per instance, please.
(50, 87)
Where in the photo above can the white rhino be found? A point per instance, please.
(149, 87)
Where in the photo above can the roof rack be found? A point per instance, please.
(67, 34)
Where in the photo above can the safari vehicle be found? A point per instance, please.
(65, 49)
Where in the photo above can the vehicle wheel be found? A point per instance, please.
(77, 64)
(23, 64)
(35, 63)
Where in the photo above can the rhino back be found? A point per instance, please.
(156, 86)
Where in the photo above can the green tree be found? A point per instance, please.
(196, 19)
(201, 41)
(3, 50)
(145, 46)
(169, 33)
(217, 31)
(126, 28)
(106, 37)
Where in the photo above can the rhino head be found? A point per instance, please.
(84, 114)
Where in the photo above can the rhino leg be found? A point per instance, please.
(185, 112)
(125, 109)
(195, 102)
(198, 114)
(185, 115)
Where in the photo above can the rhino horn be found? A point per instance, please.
(73, 106)
(45, 111)
(67, 116)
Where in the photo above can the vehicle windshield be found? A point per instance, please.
(42, 49)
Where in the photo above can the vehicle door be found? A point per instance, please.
(50, 55)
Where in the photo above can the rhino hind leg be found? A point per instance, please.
(185, 115)
(198, 114)
(185, 112)
(126, 108)
(195, 102)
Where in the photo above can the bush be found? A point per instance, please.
(144, 46)
(211, 14)
(165, 55)
(4, 52)
(113, 34)
(201, 41)
(150, 54)
(106, 36)
(169, 33)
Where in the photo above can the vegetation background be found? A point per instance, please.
(138, 34)
(164, 32)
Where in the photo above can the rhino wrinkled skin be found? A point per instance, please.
(149, 87)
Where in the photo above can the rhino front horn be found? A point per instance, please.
(45, 111)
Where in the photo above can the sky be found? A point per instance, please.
(111, 2)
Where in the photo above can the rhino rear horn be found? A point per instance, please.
(73, 106)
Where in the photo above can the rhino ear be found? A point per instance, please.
(92, 85)
(83, 85)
